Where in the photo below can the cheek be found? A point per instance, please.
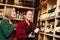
(29, 17)
(13, 14)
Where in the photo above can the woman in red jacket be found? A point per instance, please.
(24, 29)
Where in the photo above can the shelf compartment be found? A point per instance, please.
(23, 7)
(56, 36)
(58, 17)
(48, 37)
(52, 18)
(41, 37)
(2, 4)
(17, 19)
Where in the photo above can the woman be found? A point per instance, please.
(6, 26)
(24, 29)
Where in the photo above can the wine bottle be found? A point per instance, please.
(36, 31)
(51, 28)
(48, 28)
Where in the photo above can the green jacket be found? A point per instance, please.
(5, 30)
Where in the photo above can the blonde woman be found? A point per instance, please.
(6, 26)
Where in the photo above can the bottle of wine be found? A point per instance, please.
(48, 28)
(36, 31)
(51, 28)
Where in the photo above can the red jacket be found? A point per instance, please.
(20, 30)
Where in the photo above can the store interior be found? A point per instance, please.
(46, 15)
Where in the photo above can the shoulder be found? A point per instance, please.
(4, 21)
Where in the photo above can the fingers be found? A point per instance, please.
(31, 36)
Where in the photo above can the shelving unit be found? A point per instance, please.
(48, 37)
(19, 11)
(5, 5)
(51, 19)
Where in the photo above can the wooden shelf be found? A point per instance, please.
(41, 32)
(58, 17)
(45, 11)
(8, 5)
(43, 20)
(16, 6)
(56, 36)
(52, 18)
(18, 19)
(2, 4)
(23, 7)
(48, 34)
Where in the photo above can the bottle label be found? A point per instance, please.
(36, 30)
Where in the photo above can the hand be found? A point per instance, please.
(31, 36)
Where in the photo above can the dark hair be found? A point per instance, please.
(27, 11)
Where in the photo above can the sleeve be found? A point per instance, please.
(20, 32)
(5, 28)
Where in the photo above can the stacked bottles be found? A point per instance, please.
(50, 28)
(42, 25)
(51, 12)
(20, 15)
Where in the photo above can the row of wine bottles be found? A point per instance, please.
(18, 2)
(19, 15)
(10, 2)
(50, 27)
(51, 13)
(42, 25)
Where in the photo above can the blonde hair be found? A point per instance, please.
(8, 12)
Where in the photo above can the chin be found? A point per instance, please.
(29, 20)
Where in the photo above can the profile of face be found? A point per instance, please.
(29, 15)
(13, 13)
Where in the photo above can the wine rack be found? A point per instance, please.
(52, 20)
